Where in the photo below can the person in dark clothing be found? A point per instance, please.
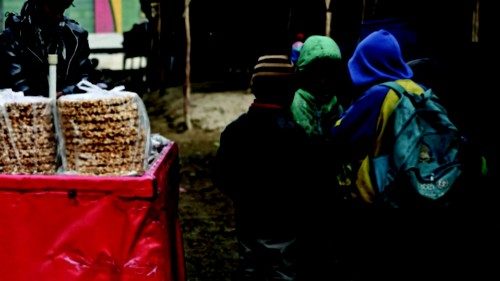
(258, 167)
(28, 38)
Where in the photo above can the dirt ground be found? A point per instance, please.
(206, 214)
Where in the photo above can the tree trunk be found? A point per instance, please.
(475, 22)
(187, 82)
(328, 18)
(158, 48)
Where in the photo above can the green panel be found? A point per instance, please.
(83, 13)
(9, 6)
(12, 6)
(131, 13)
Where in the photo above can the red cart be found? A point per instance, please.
(93, 228)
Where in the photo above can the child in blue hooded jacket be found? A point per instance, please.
(377, 59)
(359, 134)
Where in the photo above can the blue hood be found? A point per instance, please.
(377, 59)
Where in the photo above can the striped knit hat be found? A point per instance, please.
(272, 77)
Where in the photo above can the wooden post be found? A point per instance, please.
(363, 13)
(187, 82)
(156, 6)
(475, 23)
(328, 18)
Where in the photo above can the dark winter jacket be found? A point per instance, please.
(24, 47)
(259, 166)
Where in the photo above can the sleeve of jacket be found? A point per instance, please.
(227, 170)
(11, 70)
(356, 131)
(4, 83)
(83, 65)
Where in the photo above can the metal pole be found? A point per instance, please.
(52, 59)
(52, 76)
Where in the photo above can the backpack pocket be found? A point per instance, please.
(433, 182)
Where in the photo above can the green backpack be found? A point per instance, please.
(422, 163)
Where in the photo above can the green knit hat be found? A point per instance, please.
(317, 47)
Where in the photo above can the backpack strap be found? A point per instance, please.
(415, 99)
(395, 86)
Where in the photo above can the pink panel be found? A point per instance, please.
(103, 16)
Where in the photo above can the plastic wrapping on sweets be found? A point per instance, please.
(27, 141)
(103, 132)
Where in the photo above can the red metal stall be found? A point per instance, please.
(69, 227)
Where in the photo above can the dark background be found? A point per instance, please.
(232, 34)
